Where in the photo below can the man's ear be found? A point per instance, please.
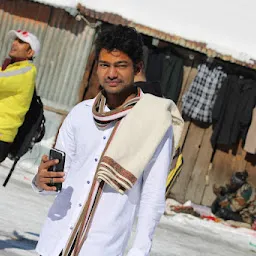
(30, 53)
(138, 67)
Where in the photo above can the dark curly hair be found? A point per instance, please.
(122, 38)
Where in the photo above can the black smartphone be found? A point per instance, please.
(60, 155)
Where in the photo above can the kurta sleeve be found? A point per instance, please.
(220, 101)
(66, 143)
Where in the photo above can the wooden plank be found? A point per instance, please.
(184, 134)
(220, 166)
(87, 74)
(186, 72)
(238, 161)
(224, 164)
(188, 76)
(251, 168)
(198, 179)
(192, 75)
(94, 86)
(190, 153)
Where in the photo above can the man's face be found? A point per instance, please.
(115, 71)
(20, 49)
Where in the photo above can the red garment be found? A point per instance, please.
(9, 61)
(254, 225)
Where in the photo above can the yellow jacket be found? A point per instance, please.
(17, 83)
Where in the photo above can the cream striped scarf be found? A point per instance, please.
(102, 118)
(134, 138)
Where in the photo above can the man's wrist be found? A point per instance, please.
(36, 185)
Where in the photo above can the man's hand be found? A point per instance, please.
(216, 190)
(45, 177)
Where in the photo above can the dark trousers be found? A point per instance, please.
(4, 150)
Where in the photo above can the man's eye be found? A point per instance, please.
(122, 66)
(103, 65)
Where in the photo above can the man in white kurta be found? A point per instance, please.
(83, 142)
(112, 223)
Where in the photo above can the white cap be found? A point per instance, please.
(27, 37)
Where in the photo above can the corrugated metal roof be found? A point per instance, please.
(65, 47)
(193, 45)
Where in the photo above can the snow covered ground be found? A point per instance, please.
(22, 212)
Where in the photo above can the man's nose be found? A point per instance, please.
(112, 72)
(15, 42)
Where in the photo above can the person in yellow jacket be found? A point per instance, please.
(17, 84)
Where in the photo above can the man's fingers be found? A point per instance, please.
(46, 174)
(45, 177)
(47, 188)
(53, 177)
(44, 159)
(51, 180)
(47, 164)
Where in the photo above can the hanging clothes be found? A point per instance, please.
(189, 74)
(153, 88)
(232, 111)
(172, 77)
(145, 56)
(167, 69)
(198, 101)
(155, 66)
(250, 142)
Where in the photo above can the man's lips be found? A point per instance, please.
(113, 83)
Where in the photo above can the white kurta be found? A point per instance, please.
(83, 143)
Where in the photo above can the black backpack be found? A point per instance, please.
(30, 132)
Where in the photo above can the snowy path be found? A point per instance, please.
(22, 212)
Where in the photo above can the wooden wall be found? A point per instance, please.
(202, 167)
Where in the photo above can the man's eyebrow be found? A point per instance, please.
(116, 63)
(121, 62)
